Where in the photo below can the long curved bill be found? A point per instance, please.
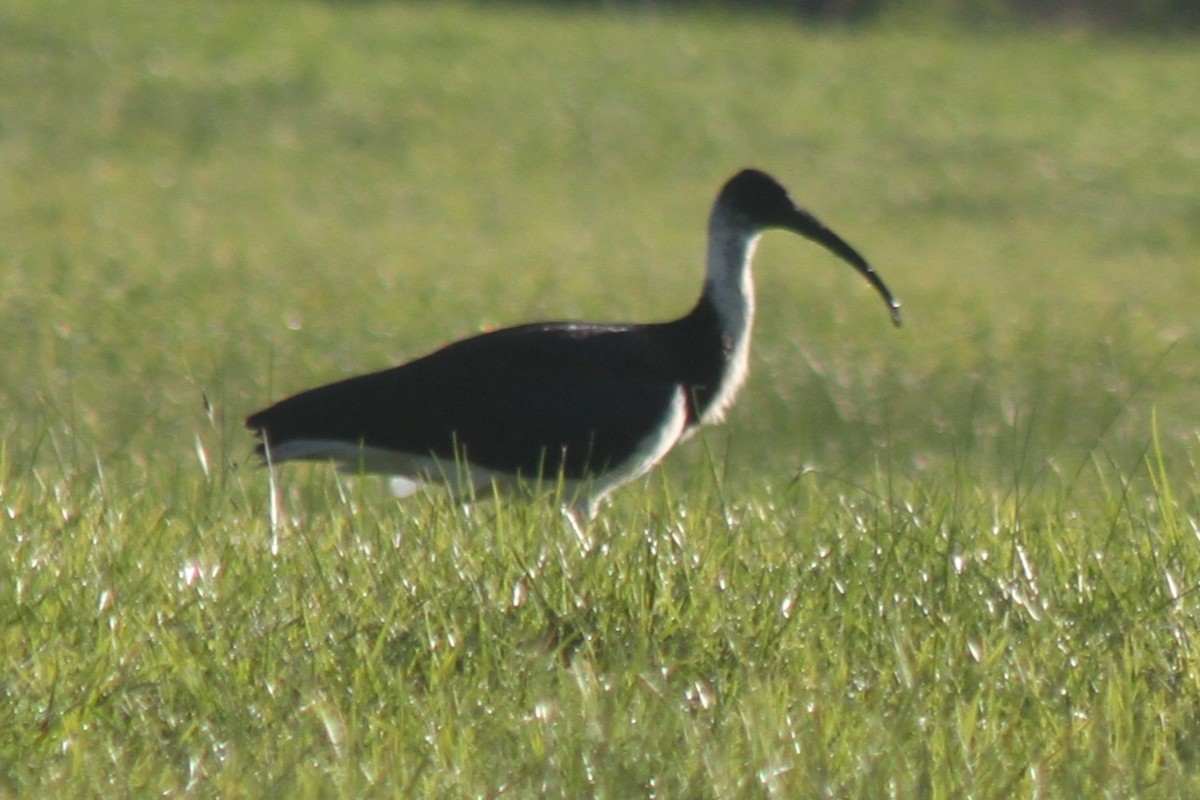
(811, 228)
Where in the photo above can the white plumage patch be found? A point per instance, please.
(411, 473)
(648, 453)
(730, 288)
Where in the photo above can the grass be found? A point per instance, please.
(958, 559)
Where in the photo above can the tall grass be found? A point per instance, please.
(956, 559)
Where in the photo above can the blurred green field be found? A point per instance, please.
(957, 559)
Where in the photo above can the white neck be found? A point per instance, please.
(730, 290)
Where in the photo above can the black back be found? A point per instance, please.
(533, 399)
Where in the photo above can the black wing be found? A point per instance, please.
(533, 399)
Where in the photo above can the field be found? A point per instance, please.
(958, 559)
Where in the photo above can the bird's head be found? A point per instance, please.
(759, 202)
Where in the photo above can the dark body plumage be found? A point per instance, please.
(476, 395)
(593, 404)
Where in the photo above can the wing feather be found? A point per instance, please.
(533, 399)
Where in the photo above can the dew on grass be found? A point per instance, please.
(1030, 604)
(545, 711)
(701, 694)
(1026, 564)
(769, 776)
(331, 722)
(196, 771)
(194, 572)
(202, 456)
(189, 573)
(789, 603)
(1172, 587)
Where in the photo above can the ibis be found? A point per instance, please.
(584, 406)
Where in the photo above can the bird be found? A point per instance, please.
(582, 406)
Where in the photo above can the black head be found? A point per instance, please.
(760, 202)
(758, 199)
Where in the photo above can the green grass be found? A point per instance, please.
(958, 559)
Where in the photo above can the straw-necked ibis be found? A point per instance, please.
(594, 405)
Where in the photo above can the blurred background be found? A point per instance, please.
(207, 206)
(1113, 15)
